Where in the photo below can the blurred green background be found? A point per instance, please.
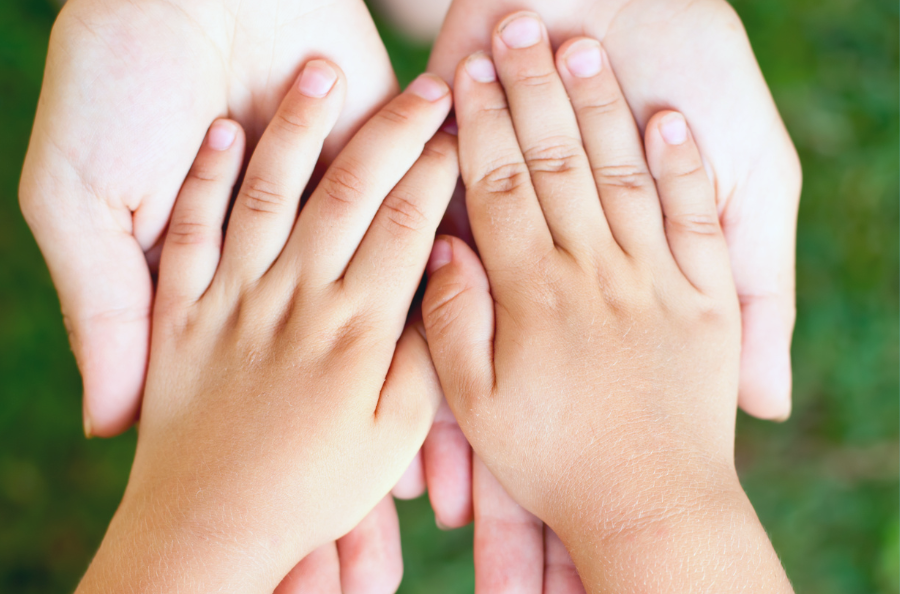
(825, 483)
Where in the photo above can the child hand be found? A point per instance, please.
(284, 398)
(592, 361)
(694, 57)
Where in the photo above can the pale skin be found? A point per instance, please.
(630, 461)
(284, 397)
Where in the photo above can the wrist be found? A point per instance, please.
(159, 547)
(687, 540)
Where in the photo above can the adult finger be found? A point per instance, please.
(371, 561)
(448, 470)
(193, 242)
(509, 541)
(318, 572)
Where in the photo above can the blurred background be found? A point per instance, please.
(825, 483)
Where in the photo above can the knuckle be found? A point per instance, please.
(188, 233)
(262, 196)
(554, 155)
(536, 78)
(442, 150)
(396, 113)
(600, 106)
(629, 176)
(205, 171)
(400, 213)
(291, 123)
(342, 186)
(503, 177)
(441, 307)
(694, 223)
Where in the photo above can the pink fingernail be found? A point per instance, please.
(521, 32)
(221, 135)
(441, 255)
(673, 129)
(480, 67)
(584, 59)
(429, 87)
(317, 80)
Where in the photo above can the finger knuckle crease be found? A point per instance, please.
(537, 79)
(395, 114)
(262, 196)
(622, 176)
(554, 156)
(343, 186)
(504, 178)
(291, 122)
(401, 213)
(188, 233)
(696, 223)
(601, 106)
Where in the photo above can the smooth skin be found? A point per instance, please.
(285, 394)
(592, 353)
(693, 57)
(130, 89)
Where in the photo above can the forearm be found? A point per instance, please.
(719, 546)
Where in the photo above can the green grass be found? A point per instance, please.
(825, 483)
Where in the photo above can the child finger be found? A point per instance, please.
(506, 217)
(548, 133)
(613, 143)
(688, 203)
(193, 243)
(387, 268)
(342, 207)
(266, 207)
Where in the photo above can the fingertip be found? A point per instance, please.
(766, 376)
(441, 254)
(673, 129)
(429, 87)
(580, 58)
(317, 79)
(412, 484)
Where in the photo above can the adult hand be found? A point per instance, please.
(129, 92)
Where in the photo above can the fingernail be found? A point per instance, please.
(673, 129)
(521, 32)
(317, 80)
(221, 135)
(584, 59)
(441, 254)
(440, 525)
(480, 67)
(429, 87)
